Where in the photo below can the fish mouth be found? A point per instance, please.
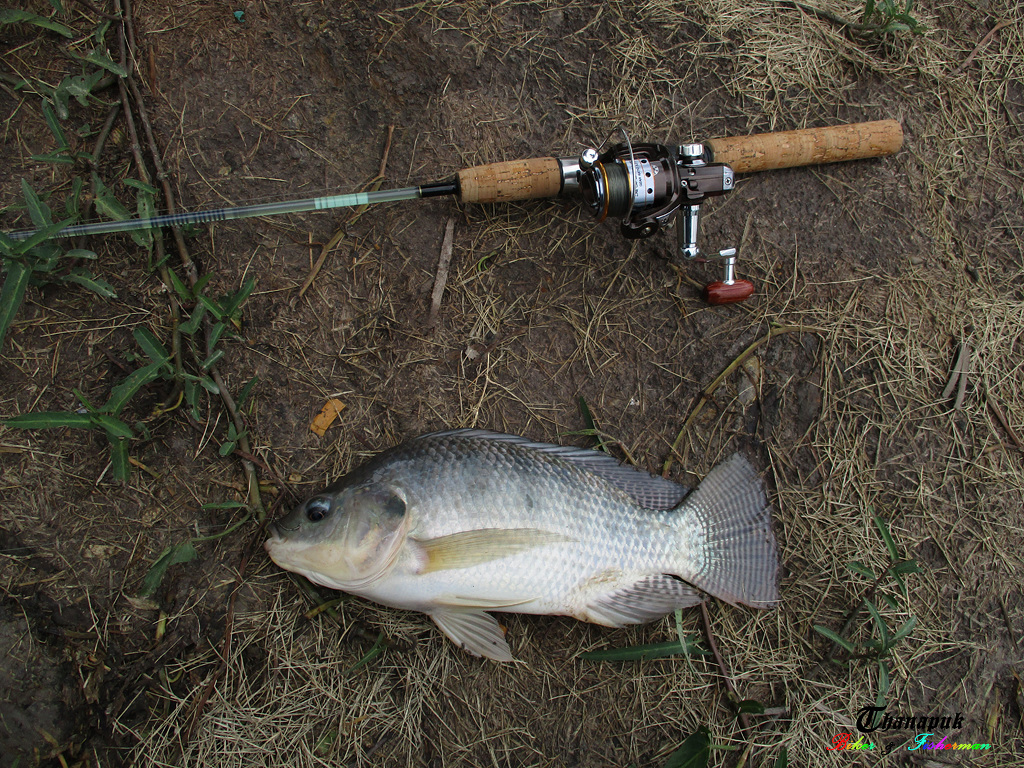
(275, 536)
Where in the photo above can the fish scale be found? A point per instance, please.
(457, 523)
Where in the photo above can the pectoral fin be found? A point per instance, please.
(476, 631)
(469, 548)
(480, 603)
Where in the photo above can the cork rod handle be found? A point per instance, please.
(512, 180)
(810, 146)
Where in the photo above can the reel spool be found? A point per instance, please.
(643, 185)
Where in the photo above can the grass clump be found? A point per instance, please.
(882, 638)
(38, 260)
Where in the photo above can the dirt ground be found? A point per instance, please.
(870, 277)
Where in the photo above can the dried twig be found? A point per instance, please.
(706, 395)
(225, 653)
(958, 378)
(734, 697)
(980, 46)
(993, 406)
(340, 234)
(128, 37)
(441, 279)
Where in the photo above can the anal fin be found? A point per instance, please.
(648, 599)
(476, 631)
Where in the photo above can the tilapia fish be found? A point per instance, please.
(455, 524)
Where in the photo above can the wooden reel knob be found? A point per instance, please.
(720, 292)
(728, 290)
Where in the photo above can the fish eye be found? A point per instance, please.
(317, 510)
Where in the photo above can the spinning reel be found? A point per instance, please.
(644, 185)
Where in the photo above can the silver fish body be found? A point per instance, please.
(457, 523)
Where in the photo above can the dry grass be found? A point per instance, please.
(951, 482)
(541, 307)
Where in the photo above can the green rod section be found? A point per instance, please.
(249, 211)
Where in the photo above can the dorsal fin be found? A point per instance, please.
(646, 490)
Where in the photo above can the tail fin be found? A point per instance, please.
(735, 553)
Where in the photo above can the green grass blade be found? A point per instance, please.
(57, 158)
(227, 531)
(113, 427)
(40, 213)
(209, 385)
(782, 761)
(73, 200)
(12, 16)
(51, 420)
(373, 653)
(212, 359)
(883, 529)
(184, 293)
(212, 306)
(180, 553)
(883, 683)
(590, 424)
(750, 707)
(101, 59)
(120, 466)
(858, 567)
(678, 616)
(141, 185)
(883, 628)
(906, 566)
(55, 127)
(638, 652)
(900, 583)
(9, 247)
(135, 381)
(88, 280)
(43, 234)
(105, 202)
(84, 400)
(246, 391)
(834, 637)
(905, 629)
(13, 294)
(233, 302)
(151, 345)
(694, 752)
(225, 505)
(190, 326)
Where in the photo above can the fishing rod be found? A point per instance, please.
(643, 186)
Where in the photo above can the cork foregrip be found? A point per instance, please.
(788, 149)
(514, 180)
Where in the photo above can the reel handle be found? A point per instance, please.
(512, 180)
(810, 146)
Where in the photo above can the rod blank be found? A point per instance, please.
(247, 211)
